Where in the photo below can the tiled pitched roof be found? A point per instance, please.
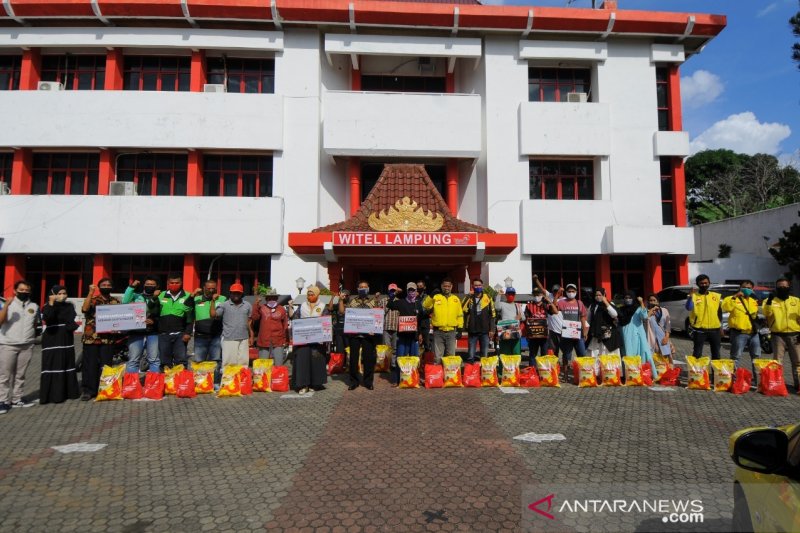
(395, 182)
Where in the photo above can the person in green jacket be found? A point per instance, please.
(138, 340)
(208, 330)
(175, 322)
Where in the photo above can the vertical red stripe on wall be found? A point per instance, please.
(676, 124)
(452, 186)
(198, 76)
(683, 269)
(101, 267)
(114, 65)
(106, 173)
(21, 180)
(450, 82)
(30, 69)
(14, 271)
(194, 174)
(191, 272)
(354, 172)
(355, 79)
(652, 273)
(603, 276)
(674, 99)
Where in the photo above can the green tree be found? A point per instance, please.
(795, 23)
(787, 251)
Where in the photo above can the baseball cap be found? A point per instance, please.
(411, 285)
(572, 285)
(511, 290)
(237, 287)
(393, 286)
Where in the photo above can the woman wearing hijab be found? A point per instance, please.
(658, 327)
(309, 370)
(632, 317)
(603, 334)
(59, 380)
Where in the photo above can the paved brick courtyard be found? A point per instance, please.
(385, 460)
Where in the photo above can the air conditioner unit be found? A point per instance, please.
(50, 86)
(577, 97)
(122, 188)
(214, 88)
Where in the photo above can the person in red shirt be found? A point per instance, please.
(273, 328)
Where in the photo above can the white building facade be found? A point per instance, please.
(218, 139)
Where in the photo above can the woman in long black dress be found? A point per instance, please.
(59, 379)
(309, 370)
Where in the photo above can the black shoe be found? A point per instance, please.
(370, 387)
(354, 386)
(85, 397)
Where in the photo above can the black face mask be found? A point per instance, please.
(702, 290)
(23, 296)
(782, 292)
(149, 290)
(105, 291)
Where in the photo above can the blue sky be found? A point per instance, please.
(743, 91)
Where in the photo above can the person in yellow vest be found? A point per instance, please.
(447, 319)
(782, 311)
(742, 323)
(705, 317)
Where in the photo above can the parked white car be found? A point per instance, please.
(673, 299)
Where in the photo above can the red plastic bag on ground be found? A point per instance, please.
(742, 380)
(770, 382)
(336, 364)
(647, 374)
(576, 371)
(252, 353)
(280, 379)
(472, 375)
(670, 377)
(528, 377)
(153, 385)
(184, 384)
(434, 376)
(246, 381)
(428, 358)
(131, 386)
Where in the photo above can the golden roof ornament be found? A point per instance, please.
(405, 216)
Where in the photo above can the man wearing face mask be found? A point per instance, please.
(424, 321)
(705, 317)
(98, 348)
(237, 329)
(390, 320)
(782, 311)
(362, 345)
(175, 320)
(574, 332)
(273, 328)
(208, 330)
(147, 338)
(19, 319)
(742, 323)
(447, 319)
(536, 331)
(480, 315)
(510, 343)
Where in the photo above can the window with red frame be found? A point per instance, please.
(156, 73)
(154, 174)
(553, 84)
(6, 164)
(72, 271)
(65, 173)
(10, 68)
(242, 75)
(669, 270)
(228, 269)
(561, 180)
(127, 268)
(627, 274)
(237, 175)
(667, 214)
(565, 269)
(75, 72)
(662, 96)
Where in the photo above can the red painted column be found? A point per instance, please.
(450, 83)
(101, 267)
(14, 271)
(194, 174)
(114, 66)
(191, 273)
(334, 277)
(21, 179)
(452, 186)
(652, 273)
(674, 99)
(354, 173)
(678, 192)
(198, 74)
(30, 69)
(355, 79)
(106, 171)
(603, 273)
(683, 269)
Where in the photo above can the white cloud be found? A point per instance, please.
(742, 133)
(770, 8)
(701, 88)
